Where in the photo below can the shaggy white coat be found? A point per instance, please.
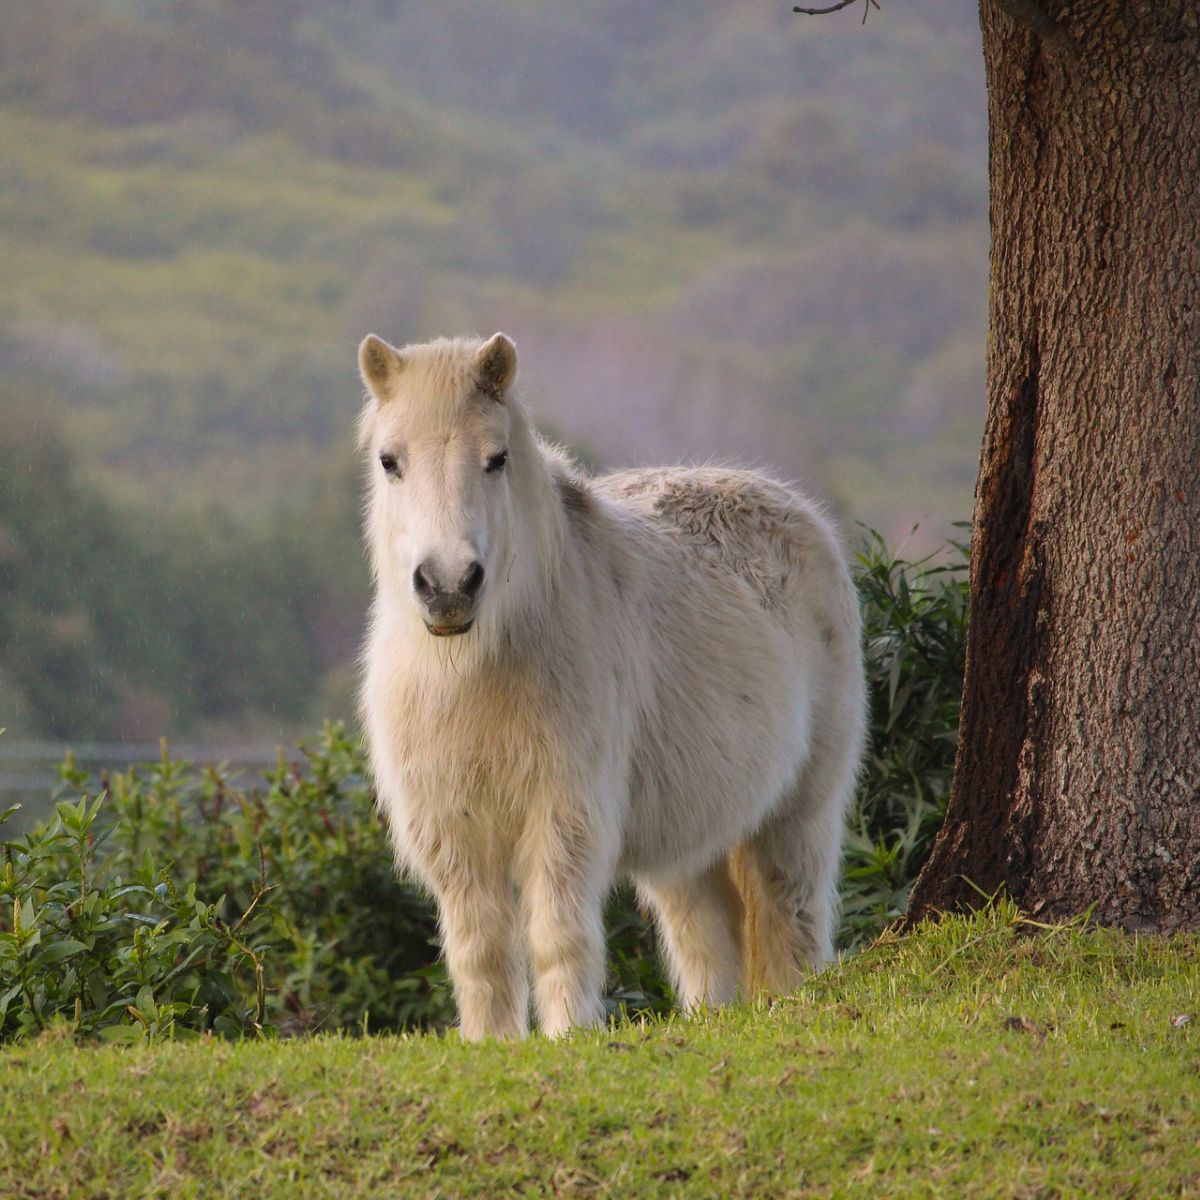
(663, 683)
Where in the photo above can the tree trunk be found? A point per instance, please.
(1078, 773)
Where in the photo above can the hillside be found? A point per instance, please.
(204, 205)
(728, 232)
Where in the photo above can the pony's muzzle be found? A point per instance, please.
(448, 611)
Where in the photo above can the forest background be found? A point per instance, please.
(715, 230)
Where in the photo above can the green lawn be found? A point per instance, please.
(978, 1058)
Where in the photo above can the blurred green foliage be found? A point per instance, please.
(205, 203)
(120, 623)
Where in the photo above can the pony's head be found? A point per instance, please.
(452, 466)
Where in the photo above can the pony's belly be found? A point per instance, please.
(668, 842)
(685, 812)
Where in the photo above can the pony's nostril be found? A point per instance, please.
(423, 583)
(472, 581)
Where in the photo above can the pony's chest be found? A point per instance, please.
(482, 741)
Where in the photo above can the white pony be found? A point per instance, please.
(652, 675)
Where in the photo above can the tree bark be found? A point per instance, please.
(1077, 782)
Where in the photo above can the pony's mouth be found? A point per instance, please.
(450, 630)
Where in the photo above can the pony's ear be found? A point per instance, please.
(496, 365)
(379, 365)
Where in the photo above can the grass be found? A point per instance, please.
(982, 1057)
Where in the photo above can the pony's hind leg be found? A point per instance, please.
(787, 873)
(699, 924)
(788, 869)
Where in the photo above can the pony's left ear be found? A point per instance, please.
(379, 364)
(496, 365)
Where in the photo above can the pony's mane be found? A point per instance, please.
(438, 371)
(442, 367)
(571, 482)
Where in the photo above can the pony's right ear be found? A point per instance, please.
(379, 365)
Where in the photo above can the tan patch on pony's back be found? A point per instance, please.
(745, 521)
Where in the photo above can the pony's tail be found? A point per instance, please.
(770, 962)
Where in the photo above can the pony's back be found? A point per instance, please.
(777, 670)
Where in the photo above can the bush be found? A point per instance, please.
(121, 956)
(339, 941)
(915, 622)
(178, 902)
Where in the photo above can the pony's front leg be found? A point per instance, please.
(565, 874)
(487, 968)
(482, 943)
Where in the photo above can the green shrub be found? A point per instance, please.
(915, 620)
(178, 901)
(123, 955)
(346, 942)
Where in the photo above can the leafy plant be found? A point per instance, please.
(915, 619)
(347, 943)
(122, 954)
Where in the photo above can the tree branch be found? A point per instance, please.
(820, 12)
(1031, 14)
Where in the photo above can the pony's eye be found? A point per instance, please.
(496, 462)
(390, 465)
